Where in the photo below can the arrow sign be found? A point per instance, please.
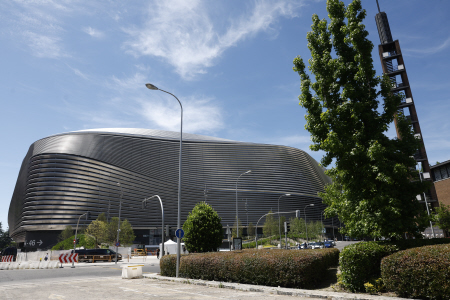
(179, 233)
(40, 242)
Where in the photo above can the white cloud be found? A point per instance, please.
(200, 115)
(44, 45)
(136, 82)
(183, 33)
(431, 50)
(93, 32)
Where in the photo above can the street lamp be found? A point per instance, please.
(118, 226)
(152, 87)
(144, 205)
(237, 214)
(279, 224)
(306, 226)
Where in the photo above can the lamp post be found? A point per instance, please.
(118, 226)
(144, 205)
(152, 87)
(306, 226)
(237, 214)
(279, 222)
(76, 231)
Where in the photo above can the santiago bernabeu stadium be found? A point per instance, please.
(65, 175)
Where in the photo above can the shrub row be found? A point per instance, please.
(419, 272)
(360, 263)
(286, 268)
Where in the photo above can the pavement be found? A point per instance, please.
(85, 285)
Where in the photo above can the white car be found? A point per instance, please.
(316, 245)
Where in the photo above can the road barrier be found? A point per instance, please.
(7, 258)
(68, 258)
(129, 272)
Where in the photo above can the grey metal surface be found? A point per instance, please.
(65, 175)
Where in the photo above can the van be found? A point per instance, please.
(93, 255)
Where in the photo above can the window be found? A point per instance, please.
(444, 174)
(437, 174)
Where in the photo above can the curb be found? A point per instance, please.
(271, 290)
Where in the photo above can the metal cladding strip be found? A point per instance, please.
(65, 175)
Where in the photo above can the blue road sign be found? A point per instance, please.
(117, 244)
(179, 233)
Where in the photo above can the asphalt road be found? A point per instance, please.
(81, 270)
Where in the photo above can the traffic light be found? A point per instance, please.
(297, 213)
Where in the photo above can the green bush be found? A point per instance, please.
(419, 272)
(67, 244)
(168, 265)
(286, 268)
(360, 263)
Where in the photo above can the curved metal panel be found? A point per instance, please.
(65, 175)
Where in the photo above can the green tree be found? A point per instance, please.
(250, 230)
(442, 217)
(270, 227)
(126, 235)
(97, 229)
(371, 190)
(66, 233)
(102, 217)
(233, 229)
(297, 229)
(5, 239)
(203, 229)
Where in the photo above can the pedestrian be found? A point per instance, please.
(184, 250)
(157, 253)
(46, 257)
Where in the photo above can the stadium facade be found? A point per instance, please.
(65, 175)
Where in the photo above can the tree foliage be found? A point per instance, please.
(5, 239)
(250, 229)
(371, 191)
(203, 229)
(298, 231)
(66, 233)
(85, 241)
(97, 229)
(442, 217)
(270, 227)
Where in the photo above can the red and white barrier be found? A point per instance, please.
(68, 258)
(7, 258)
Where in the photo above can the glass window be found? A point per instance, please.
(448, 169)
(437, 174)
(444, 172)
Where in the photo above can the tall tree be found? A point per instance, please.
(372, 191)
(250, 229)
(442, 217)
(270, 227)
(97, 230)
(66, 233)
(126, 235)
(5, 239)
(203, 229)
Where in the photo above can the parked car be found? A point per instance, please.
(303, 246)
(328, 244)
(92, 255)
(317, 245)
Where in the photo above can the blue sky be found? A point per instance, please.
(71, 65)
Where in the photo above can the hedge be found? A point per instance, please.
(286, 268)
(360, 263)
(419, 272)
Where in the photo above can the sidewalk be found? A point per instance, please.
(268, 290)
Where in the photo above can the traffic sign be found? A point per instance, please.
(179, 233)
(117, 244)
